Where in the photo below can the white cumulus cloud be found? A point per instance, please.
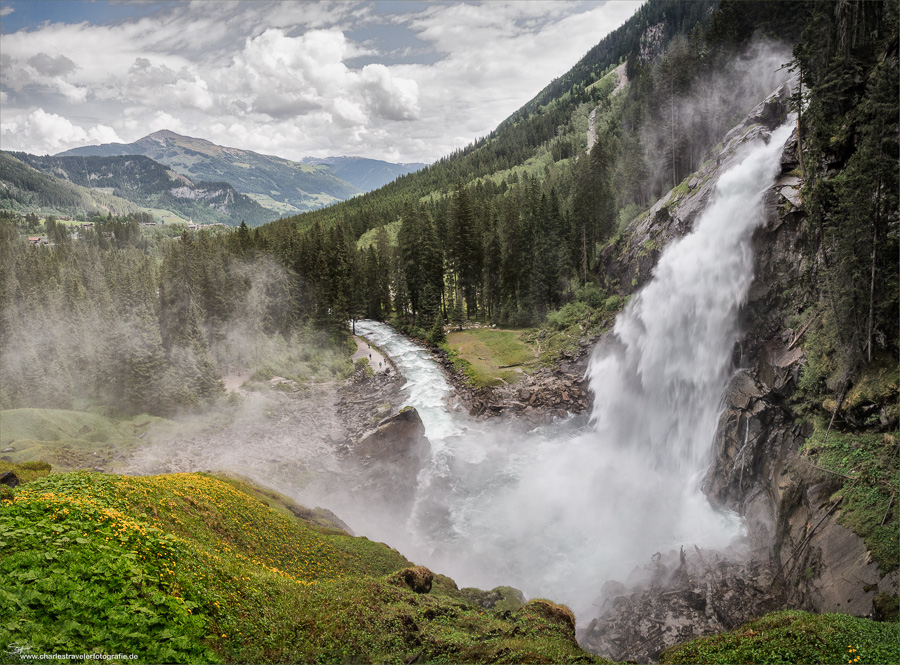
(295, 78)
(42, 133)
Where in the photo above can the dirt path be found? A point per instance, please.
(377, 361)
(235, 377)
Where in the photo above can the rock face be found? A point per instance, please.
(391, 457)
(677, 597)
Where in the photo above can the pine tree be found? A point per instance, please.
(463, 248)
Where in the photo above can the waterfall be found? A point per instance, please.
(658, 385)
(560, 511)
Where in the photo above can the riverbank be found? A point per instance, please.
(537, 398)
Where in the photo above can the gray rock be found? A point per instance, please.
(392, 455)
(9, 479)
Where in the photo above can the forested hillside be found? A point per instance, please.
(140, 323)
(275, 183)
(149, 184)
(508, 229)
(23, 188)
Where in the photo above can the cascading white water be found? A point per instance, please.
(558, 512)
(659, 387)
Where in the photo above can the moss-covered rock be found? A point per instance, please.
(547, 609)
(417, 578)
(501, 598)
(797, 638)
(885, 607)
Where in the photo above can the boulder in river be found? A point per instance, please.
(391, 457)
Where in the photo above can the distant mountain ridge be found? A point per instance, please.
(273, 182)
(26, 189)
(148, 183)
(364, 173)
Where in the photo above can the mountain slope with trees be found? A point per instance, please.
(519, 216)
(26, 189)
(275, 183)
(150, 184)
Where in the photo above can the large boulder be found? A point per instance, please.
(501, 598)
(390, 458)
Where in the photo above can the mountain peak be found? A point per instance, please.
(163, 134)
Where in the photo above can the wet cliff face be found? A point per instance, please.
(757, 436)
(627, 263)
(756, 470)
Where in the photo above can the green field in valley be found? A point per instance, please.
(494, 356)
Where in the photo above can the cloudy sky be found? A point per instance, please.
(401, 81)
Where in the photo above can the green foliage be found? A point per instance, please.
(795, 638)
(82, 579)
(868, 493)
(437, 335)
(590, 307)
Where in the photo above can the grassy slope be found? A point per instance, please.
(190, 568)
(70, 439)
(870, 472)
(794, 638)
